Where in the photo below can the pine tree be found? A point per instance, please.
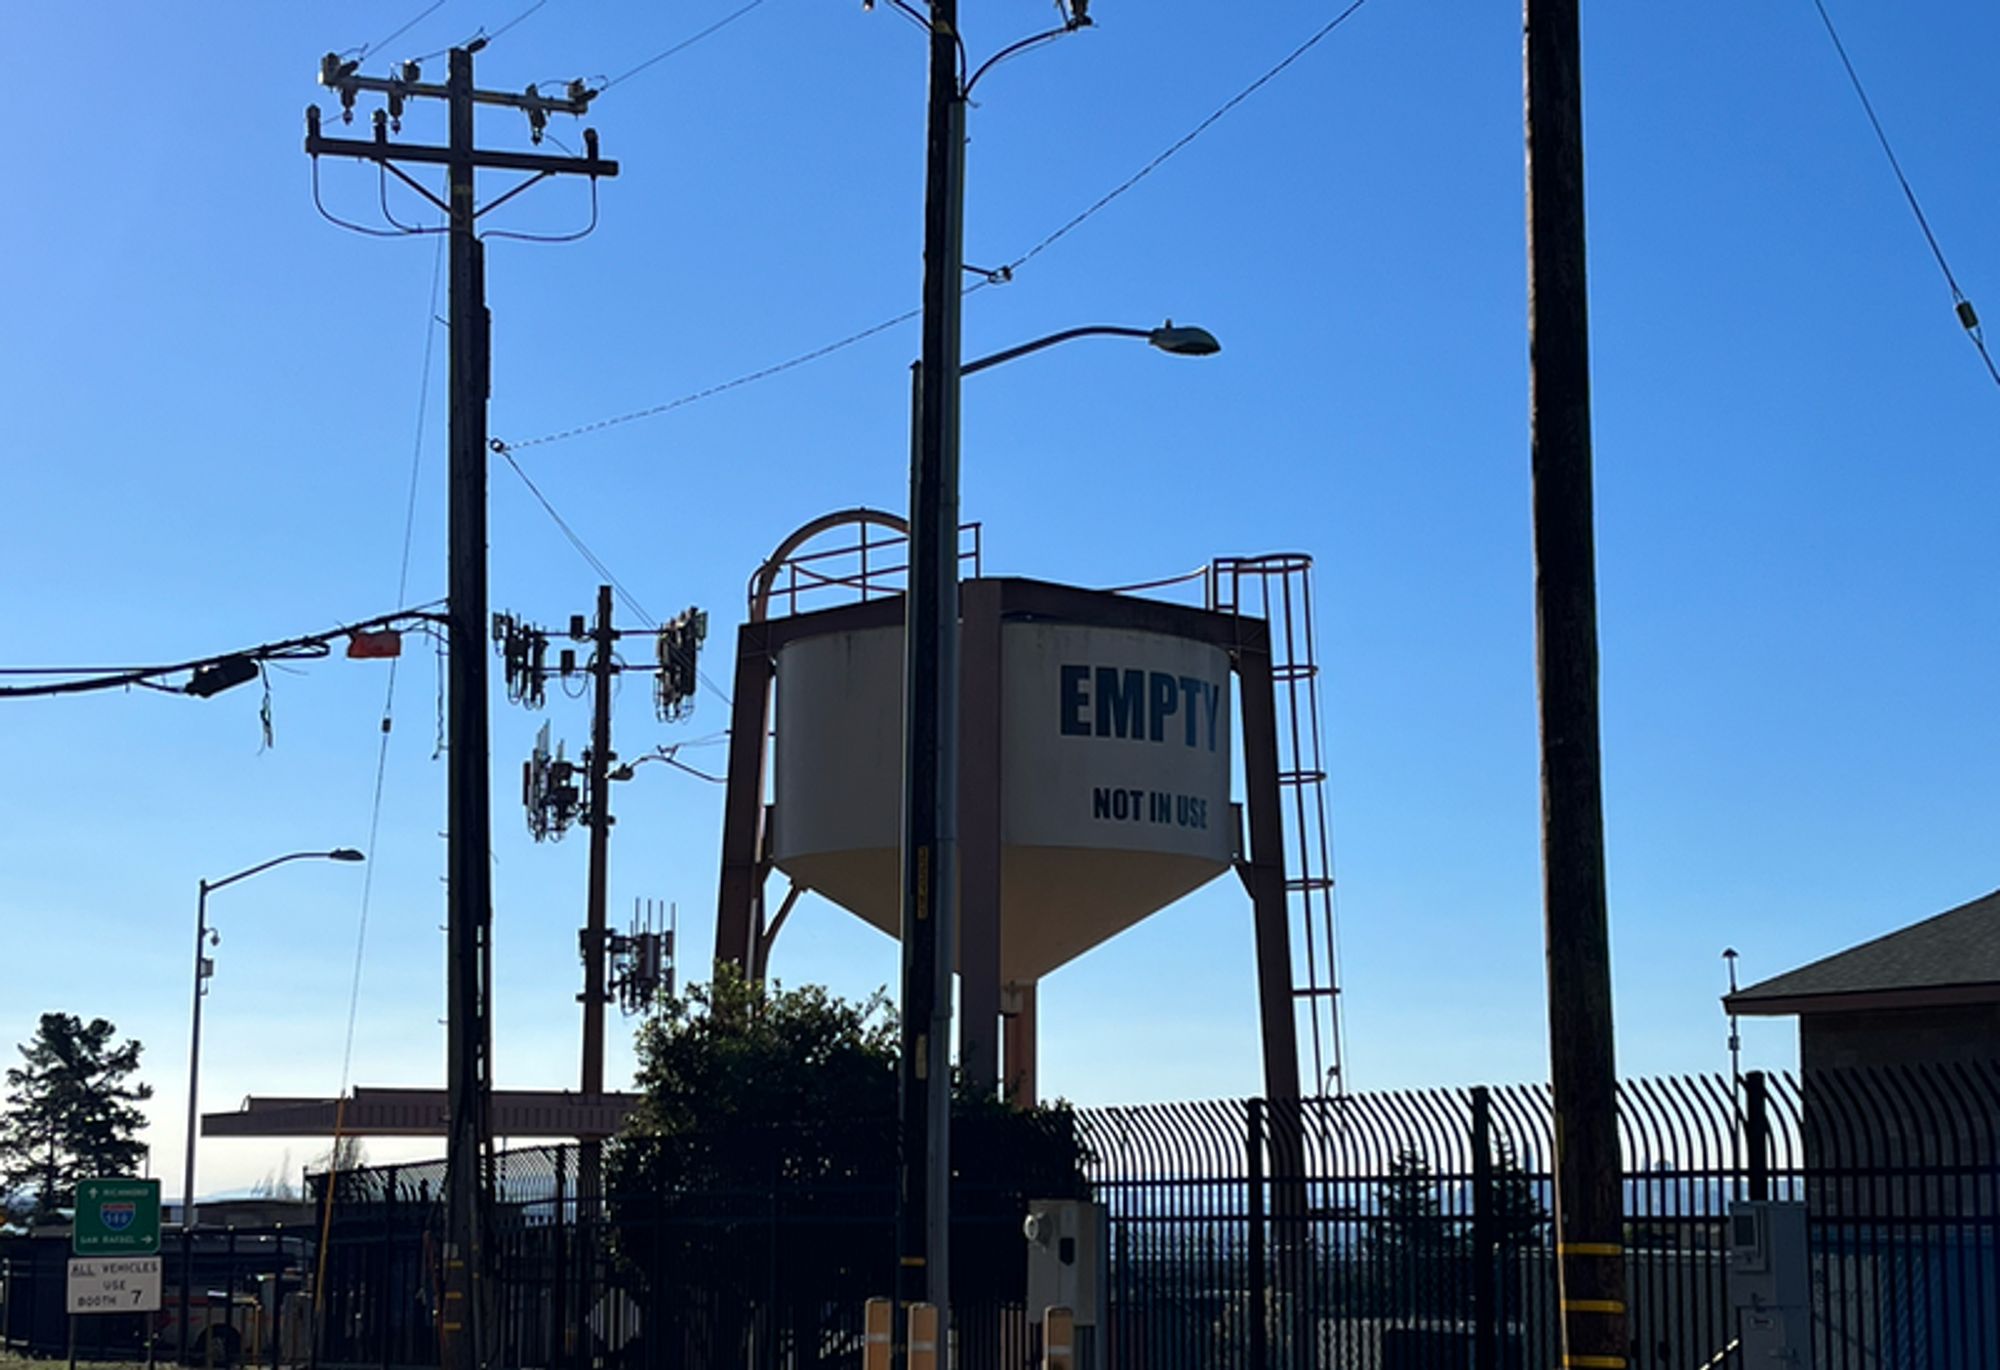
(70, 1111)
(1410, 1239)
(1518, 1212)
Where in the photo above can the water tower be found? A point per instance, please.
(1095, 779)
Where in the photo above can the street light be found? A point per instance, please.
(1176, 340)
(929, 852)
(205, 937)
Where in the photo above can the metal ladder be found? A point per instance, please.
(1278, 589)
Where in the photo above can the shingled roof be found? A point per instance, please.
(1952, 958)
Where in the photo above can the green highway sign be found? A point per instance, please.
(116, 1218)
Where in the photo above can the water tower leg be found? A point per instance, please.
(1264, 873)
(742, 888)
(1019, 1006)
(979, 834)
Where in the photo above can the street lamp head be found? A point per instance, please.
(1183, 340)
(345, 854)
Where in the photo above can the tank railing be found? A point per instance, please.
(791, 580)
(1199, 575)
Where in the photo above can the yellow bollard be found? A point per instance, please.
(923, 1336)
(1058, 1339)
(875, 1335)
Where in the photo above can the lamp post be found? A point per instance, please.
(930, 809)
(205, 937)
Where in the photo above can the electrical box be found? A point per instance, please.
(1770, 1282)
(1067, 1254)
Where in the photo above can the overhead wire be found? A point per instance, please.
(575, 540)
(362, 52)
(381, 764)
(389, 693)
(497, 33)
(596, 563)
(306, 647)
(997, 276)
(480, 35)
(382, 194)
(348, 224)
(1968, 317)
(762, 373)
(514, 235)
(1179, 144)
(683, 45)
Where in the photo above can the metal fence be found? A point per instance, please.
(1394, 1231)
(247, 1300)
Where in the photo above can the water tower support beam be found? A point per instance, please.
(1020, 1008)
(739, 904)
(979, 834)
(1264, 872)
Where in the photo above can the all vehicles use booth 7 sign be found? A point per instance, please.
(114, 1284)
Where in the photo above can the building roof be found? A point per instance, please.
(422, 1113)
(1951, 958)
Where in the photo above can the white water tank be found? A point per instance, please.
(1114, 779)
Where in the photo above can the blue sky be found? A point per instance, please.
(213, 402)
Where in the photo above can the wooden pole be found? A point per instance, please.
(1589, 1210)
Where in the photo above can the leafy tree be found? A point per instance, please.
(71, 1111)
(762, 1158)
(742, 1087)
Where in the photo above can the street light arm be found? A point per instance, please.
(1181, 341)
(213, 885)
(1087, 331)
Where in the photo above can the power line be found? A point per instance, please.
(389, 691)
(1968, 318)
(762, 373)
(310, 647)
(682, 46)
(495, 35)
(998, 276)
(423, 14)
(596, 562)
(1179, 143)
(480, 33)
(576, 541)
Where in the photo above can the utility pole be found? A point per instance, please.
(467, 1339)
(930, 715)
(1589, 1211)
(595, 929)
(548, 788)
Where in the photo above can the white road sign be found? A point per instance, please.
(114, 1284)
